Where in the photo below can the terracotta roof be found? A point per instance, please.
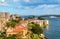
(17, 29)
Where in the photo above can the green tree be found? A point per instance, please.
(11, 37)
(13, 24)
(25, 18)
(8, 24)
(30, 17)
(35, 28)
(41, 18)
(20, 18)
(30, 25)
(32, 35)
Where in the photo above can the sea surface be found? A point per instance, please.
(53, 30)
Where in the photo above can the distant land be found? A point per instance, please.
(25, 16)
(50, 15)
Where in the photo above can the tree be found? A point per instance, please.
(20, 18)
(8, 24)
(11, 37)
(30, 25)
(12, 23)
(35, 28)
(30, 17)
(41, 18)
(33, 36)
(25, 18)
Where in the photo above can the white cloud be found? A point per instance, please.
(23, 7)
(16, 0)
(49, 6)
(45, 6)
(4, 4)
(26, 0)
(2, 1)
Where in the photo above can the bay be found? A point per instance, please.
(53, 30)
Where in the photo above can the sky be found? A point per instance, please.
(30, 7)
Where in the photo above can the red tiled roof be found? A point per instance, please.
(18, 28)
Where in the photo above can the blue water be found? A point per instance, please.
(53, 31)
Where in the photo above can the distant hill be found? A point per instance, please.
(25, 16)
(50, 15)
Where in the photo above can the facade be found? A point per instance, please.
(23, 23)
(42, 23)
(4, 17)
(14, 16)
(0, 25)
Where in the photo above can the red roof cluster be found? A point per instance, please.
(18, 28)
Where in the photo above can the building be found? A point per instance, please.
(0, 25)
(18, 28)
(42, 23)
(4, 17)
(23, 23)
(14, 16)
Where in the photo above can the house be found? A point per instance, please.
(17, 29)
(42, 23)
(23, 23)
(4, 16)
(14, 16)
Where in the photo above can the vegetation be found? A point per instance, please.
(19, 35)
(30, 17)
(8, 24)
(25, 18)
(33, 36)
(4, 36)
(12, 23)
(20, 18)
(30, 26)
(41, 18)
(35, 30)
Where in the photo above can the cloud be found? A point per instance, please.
(22, 7)
(2, 1)
(4, 4)
(26, 0)
(16, 0)
(45, 6)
